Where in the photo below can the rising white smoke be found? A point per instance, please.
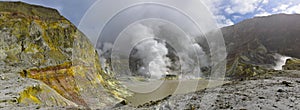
(154, 52)
(103, 53)
(190, 53)
(281, 60)
(154, 57)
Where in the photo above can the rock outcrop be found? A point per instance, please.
(46, 61)
(292, 64)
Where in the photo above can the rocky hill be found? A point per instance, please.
(45, 61)
(257, 41)
(278, 33)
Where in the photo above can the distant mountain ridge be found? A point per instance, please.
(278, 33)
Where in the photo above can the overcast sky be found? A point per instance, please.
(227, 12)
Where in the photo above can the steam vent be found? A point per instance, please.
(46, 62)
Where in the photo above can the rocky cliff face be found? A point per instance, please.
(46, 61)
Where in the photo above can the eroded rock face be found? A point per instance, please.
(43, 56)
(61, 78)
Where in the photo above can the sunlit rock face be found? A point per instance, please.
(46, 61)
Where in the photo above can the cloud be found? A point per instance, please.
(288, 9)
(236, 17)
(223, 21)
(263, 14)
(234, 6)
(216, 7)
(213, 5)
(281, 7)
(244, 6)
(228, 10)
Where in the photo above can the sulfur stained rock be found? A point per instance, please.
(292, 64)
(60, 78)
(243, 70)
(38, 94)
(40, 47)
(254, 61)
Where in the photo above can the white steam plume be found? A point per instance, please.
(102, 52)
(153, 55)
(154, 52)
(281, 60)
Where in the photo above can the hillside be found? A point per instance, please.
(278, 33)
(45, 61)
